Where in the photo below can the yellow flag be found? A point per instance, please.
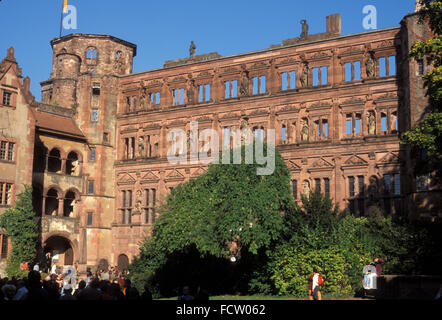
(65, 6)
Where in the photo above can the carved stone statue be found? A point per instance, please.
(304, 131)
(143, 99)
(191, 92)
(244, 130)
(192, 50)
(371, 124)
(244, 88)
(304, 76)
(138, 202)
(141, 147)
(304, 33)
(306, 188)
(73, 205)
(75, 167)
(370, 66)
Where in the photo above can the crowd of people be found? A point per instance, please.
(105, 284)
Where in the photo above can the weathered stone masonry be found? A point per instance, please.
(338, 105)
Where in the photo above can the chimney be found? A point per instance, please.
(334, 24)
(27, 84)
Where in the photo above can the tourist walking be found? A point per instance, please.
(314, 285)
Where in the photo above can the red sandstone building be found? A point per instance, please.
(338, 105)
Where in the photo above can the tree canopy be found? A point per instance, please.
(223, 213)
(426, 137)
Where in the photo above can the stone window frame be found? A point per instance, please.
(91, 60)
(88, 187)
(390, 109)
(288, 69)
(230, 79)
(12, 98)
(7, 151)
(358, 196)
(4, 246)
(385, 53)
(4, 194)
(149, 208)
(391, 198)
(203, 84)
(125, 205)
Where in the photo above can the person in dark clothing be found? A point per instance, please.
(186, 296)
(36, 292)
(91, 292)
(115, 292)
(131, 292)
(53, 289)
(146, 295)
(81, 286)
(201, 294)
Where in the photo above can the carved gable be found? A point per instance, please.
(198, 172)
(354, 160)
(125, 178)
(390, 157)
(174, 175)
(150, 176)
(293, 166)
(321, 163)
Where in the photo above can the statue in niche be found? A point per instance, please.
(141, 147)
(244, 88)
(304, 76)
(75, 167)
(244, 127)
(304, 131)
(73, 205)
(370, 66)
(192, 50)
(191, 92)
(371, 124)
(143, 99)
(304, 33)
(306, 188)
(138, 202)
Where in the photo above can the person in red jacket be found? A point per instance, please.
(378, 263)
(314, 284)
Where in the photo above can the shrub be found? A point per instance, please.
(291, 269)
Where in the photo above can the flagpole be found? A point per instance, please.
(61, 17)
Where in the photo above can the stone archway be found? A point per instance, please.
(61, 250)
(123, 262)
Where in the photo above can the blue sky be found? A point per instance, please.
(162, 30)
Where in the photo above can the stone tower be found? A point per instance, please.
(85, 77)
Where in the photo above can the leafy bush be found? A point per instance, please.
(292, 268)
(19, 223)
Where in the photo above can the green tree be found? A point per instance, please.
(230, 211)
(426, 137)
(19, 224)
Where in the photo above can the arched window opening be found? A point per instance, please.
(54, 161)
(123, 262)
(91, 55)
(69, 204)
(72, 164)
(51, 205)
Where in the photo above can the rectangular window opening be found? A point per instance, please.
(324, 75)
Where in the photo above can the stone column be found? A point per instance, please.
(60, 212)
